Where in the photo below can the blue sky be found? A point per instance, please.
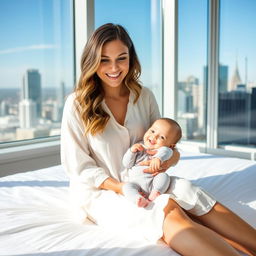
(238, 35)
(35, 34)
(38, 34)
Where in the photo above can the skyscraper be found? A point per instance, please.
(234, 117)
(235, 80)
(27, 110)
(223, 78)
(32, 89)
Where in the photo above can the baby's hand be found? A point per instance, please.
(155, 164)
(137, 147)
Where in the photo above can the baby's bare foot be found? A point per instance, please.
(142, 202)
(153, 195)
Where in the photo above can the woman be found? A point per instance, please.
(108, 112)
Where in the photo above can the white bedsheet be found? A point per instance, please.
(35, 218)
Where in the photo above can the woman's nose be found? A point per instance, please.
(114, 66)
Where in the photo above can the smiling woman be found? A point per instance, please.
(110, 68)
(114, 64)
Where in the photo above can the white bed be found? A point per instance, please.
(35, 218)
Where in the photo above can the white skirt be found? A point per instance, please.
(115, 212)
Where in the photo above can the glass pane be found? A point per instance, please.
(36, 66)
(142, 19)
(192, 70)
(237, 77)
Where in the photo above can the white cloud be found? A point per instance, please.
(28, 48)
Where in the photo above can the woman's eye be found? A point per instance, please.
(122, 58)
(104, 60)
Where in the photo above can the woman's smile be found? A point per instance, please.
(113, 76)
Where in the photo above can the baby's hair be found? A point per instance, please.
(175, 124)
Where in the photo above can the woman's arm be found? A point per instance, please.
(75, 154)
(173, 160)
(112, 184)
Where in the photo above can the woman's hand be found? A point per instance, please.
(165, 165)
(112, 184)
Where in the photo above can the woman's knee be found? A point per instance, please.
(175, 220)
(173, 211)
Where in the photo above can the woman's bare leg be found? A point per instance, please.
(229, 225)
(190, 238)
(240, 247)
(236, 245)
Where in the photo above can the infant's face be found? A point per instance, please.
(159, 134)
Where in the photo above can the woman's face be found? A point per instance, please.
(114, 64)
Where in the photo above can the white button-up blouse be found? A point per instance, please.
(89, 160)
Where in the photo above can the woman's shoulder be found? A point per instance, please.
(70, 102)
(70, 99)
(146, 92)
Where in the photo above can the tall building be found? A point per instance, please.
(59, 104)
(27, 112)
(4, 108)
(235, 80)
(253, 117)
(32, 89)
(234, 117)
(223, 78)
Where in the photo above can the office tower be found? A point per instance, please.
(253, 118)
(234, 117)
(59, 104)
(4, 108)
(61, 94)
(27, 110)
(223, 78)
(235, 80)
(32, 89)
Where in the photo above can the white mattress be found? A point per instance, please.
(35, 218)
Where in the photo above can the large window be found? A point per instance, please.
(237, 76)
(142, 19)
(36, 66)
(192, 68)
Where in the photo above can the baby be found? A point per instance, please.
(161, 137)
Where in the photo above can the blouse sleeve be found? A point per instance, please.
(75, 154)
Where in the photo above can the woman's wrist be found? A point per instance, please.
(112, 184)
(120, 190)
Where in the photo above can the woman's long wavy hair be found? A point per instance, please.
(89, 92)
